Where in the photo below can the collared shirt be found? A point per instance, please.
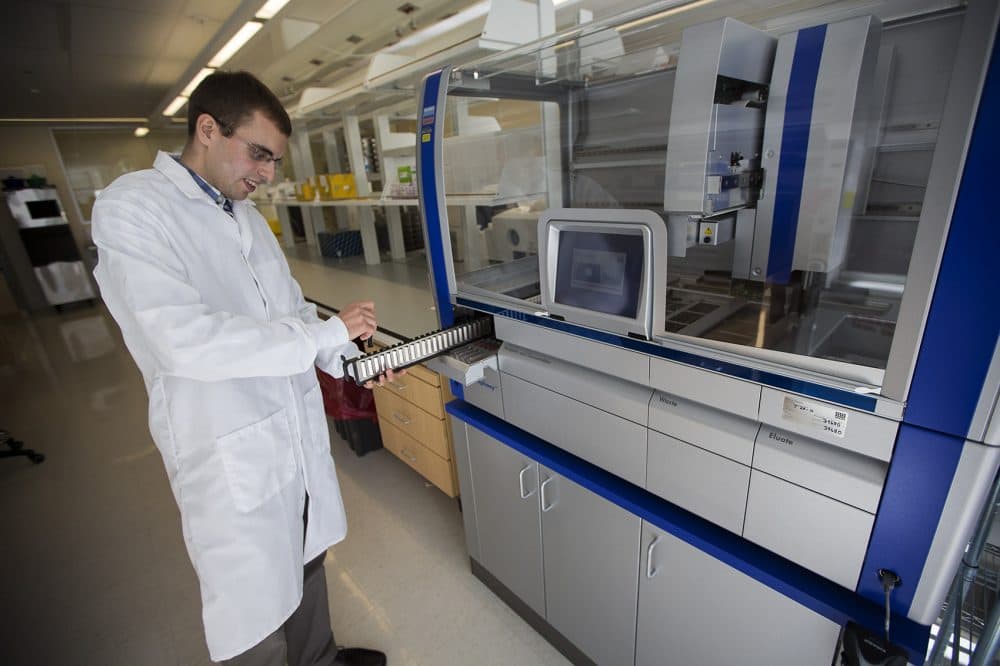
(214, 194)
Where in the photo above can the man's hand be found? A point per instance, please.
(389, 376)
(359, 318)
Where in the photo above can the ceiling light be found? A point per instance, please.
(236, 43)
(199, 77)
(175, 105)
(662, 15)
(270, 8)
(141, 132)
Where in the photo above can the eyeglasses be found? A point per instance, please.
(259, 153)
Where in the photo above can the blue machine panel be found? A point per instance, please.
(794, 147)
(916, 488)
(428, 174)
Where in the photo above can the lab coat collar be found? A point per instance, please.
(168, 165)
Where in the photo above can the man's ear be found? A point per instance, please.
(205, 128)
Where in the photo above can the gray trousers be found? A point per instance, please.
(306, 638)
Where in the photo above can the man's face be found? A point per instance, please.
(237, 164)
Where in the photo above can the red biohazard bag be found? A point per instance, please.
(344, 400)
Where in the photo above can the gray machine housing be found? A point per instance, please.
(749, 456)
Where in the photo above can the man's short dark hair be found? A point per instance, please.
(232, 98)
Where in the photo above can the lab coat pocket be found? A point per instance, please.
(258, 460)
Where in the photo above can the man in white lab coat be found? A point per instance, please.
(227, 347)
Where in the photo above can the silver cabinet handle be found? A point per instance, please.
(542, 488)
(408, 456)
(650, 570)
(398, 386)
(402, 419)
(520, 480)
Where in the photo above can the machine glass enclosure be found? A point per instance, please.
(496, 188)
(788, 154)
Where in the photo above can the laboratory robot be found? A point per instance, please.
(734, 400)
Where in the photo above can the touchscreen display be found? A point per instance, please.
(600, 271)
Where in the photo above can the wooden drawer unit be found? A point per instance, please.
(421, 387)
(428, 464)
(414, 421)
(414, 428)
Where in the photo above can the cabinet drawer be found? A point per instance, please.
(606, 440)
(415, 422)
(426, 396)
(700, 481)
(625, 399)
(821, 467)
(709, 388)
(711, 429)
(819, 533)
(424, 375)
(432, 467)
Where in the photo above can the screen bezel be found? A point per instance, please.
(643, 223)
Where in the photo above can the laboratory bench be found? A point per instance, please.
(471, 250)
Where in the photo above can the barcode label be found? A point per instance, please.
(815, 416)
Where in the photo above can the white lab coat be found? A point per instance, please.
(226, 345)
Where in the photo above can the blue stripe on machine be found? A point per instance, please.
(916, 488)
(427, 176)
(794, 146)
(803, 586)
(961, 333)
(839, 396)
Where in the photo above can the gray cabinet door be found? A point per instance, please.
(694, 609)
(591, 551)
(506, 498)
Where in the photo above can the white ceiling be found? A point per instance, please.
(100, 58)
(129, 58)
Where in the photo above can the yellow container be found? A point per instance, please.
(323, 188)
(305, 191)
(342, 185)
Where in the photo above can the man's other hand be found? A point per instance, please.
(381, 380)
(359, 318)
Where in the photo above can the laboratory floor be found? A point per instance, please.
(92, 566)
